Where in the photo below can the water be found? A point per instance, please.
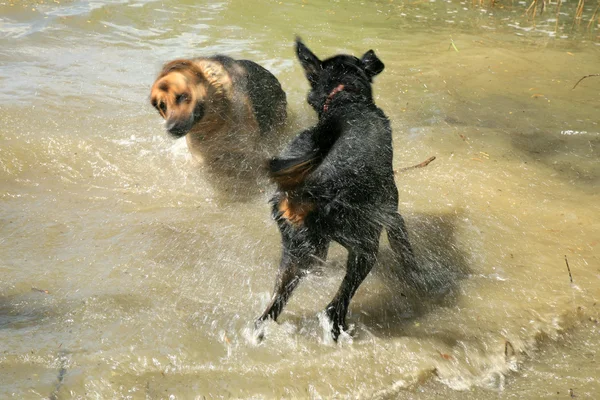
(126, 274)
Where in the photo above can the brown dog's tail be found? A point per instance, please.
(288, 173)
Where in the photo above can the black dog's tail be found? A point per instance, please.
(288, 173)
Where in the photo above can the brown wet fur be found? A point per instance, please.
(169, 85)
(198, 81)
(210, 102)
(295, 212)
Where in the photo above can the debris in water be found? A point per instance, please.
(40, 290)
(568, 269)
(508, 344)
(452, 45)
(420, 165)
(587, 76)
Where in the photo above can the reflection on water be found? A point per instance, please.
(125, 271)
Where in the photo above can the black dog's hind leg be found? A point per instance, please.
(398, 238)
(360, 262)
(300, 253)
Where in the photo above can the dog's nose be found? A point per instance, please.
(176, 128)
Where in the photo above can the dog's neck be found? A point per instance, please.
(332, 94)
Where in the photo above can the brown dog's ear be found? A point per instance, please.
(371, 64)
(311, 63)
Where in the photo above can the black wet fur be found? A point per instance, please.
(342, 169)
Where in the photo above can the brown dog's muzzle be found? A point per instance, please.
(179, 126)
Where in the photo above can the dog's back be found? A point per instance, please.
(261, 88)
(267, 97)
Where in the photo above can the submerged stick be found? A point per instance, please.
(587, 76)
(569, 269)
(453, 45)
(506, 345)
(420, 165)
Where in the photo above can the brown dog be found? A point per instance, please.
(229, 110)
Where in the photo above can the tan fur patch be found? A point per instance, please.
(295, 213)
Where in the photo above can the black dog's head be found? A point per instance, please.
(325, 77)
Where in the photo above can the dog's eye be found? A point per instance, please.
(162, 107)
(181, 98)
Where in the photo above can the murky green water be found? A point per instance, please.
(154, 276)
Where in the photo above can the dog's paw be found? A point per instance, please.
(334, 330)
(259, 330)
(256, 334)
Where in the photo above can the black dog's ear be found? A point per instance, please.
(311, 63)
(371, 64)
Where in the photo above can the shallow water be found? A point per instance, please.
(125, 272)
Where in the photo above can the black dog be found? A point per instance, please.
(336, 182)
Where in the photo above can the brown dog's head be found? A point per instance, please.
(179, 95)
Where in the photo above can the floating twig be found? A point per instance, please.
(453, 45)
(569, 269)
(508, 344)
(587, 76)
(34, 289)
(420, 165)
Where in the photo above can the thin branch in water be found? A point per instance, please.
(420, 165)
(589, 26)
(534, 6)
(568, 269)
(579, 11)
(508, 344)
(452, 45)
(587, 76)
(557, 15)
